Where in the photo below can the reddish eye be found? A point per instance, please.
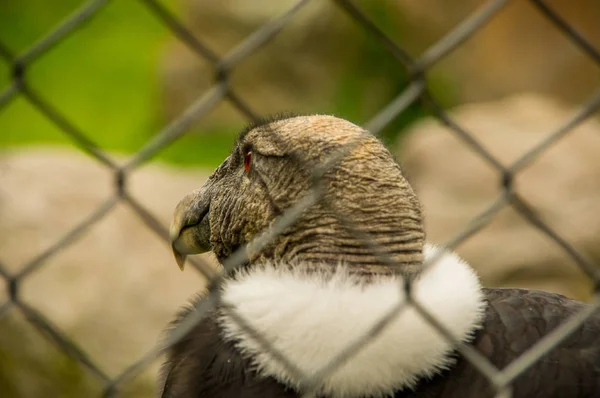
(247, 161)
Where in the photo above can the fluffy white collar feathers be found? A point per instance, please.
(311, 320)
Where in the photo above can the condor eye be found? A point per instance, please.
(247, 161)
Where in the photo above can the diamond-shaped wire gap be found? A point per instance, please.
(548, 342)
(186, 36)
(33, 366)
(568, 30)
(457, 129)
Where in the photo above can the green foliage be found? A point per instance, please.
(104, 79)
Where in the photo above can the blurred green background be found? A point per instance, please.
(104, 78)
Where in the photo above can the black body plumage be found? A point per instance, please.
(203, 365)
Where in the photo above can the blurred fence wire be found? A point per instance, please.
(416, 90)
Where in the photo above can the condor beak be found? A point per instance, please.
(190, 228)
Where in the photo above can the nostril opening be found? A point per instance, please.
(195, 219)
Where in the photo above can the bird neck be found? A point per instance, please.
(381, 251)
(312, 318)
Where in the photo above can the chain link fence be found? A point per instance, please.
(417, 90)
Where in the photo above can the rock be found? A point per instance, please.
(113, 290)
(562, 185)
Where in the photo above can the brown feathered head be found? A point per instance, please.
(277, 163)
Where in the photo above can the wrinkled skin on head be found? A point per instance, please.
(365, 187)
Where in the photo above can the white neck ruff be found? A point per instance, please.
(311, 319)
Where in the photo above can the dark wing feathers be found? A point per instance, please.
(515, 320)
(202, 365)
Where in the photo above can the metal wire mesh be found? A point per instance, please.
(417, 90)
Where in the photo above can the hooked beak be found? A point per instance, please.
(190, 228)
